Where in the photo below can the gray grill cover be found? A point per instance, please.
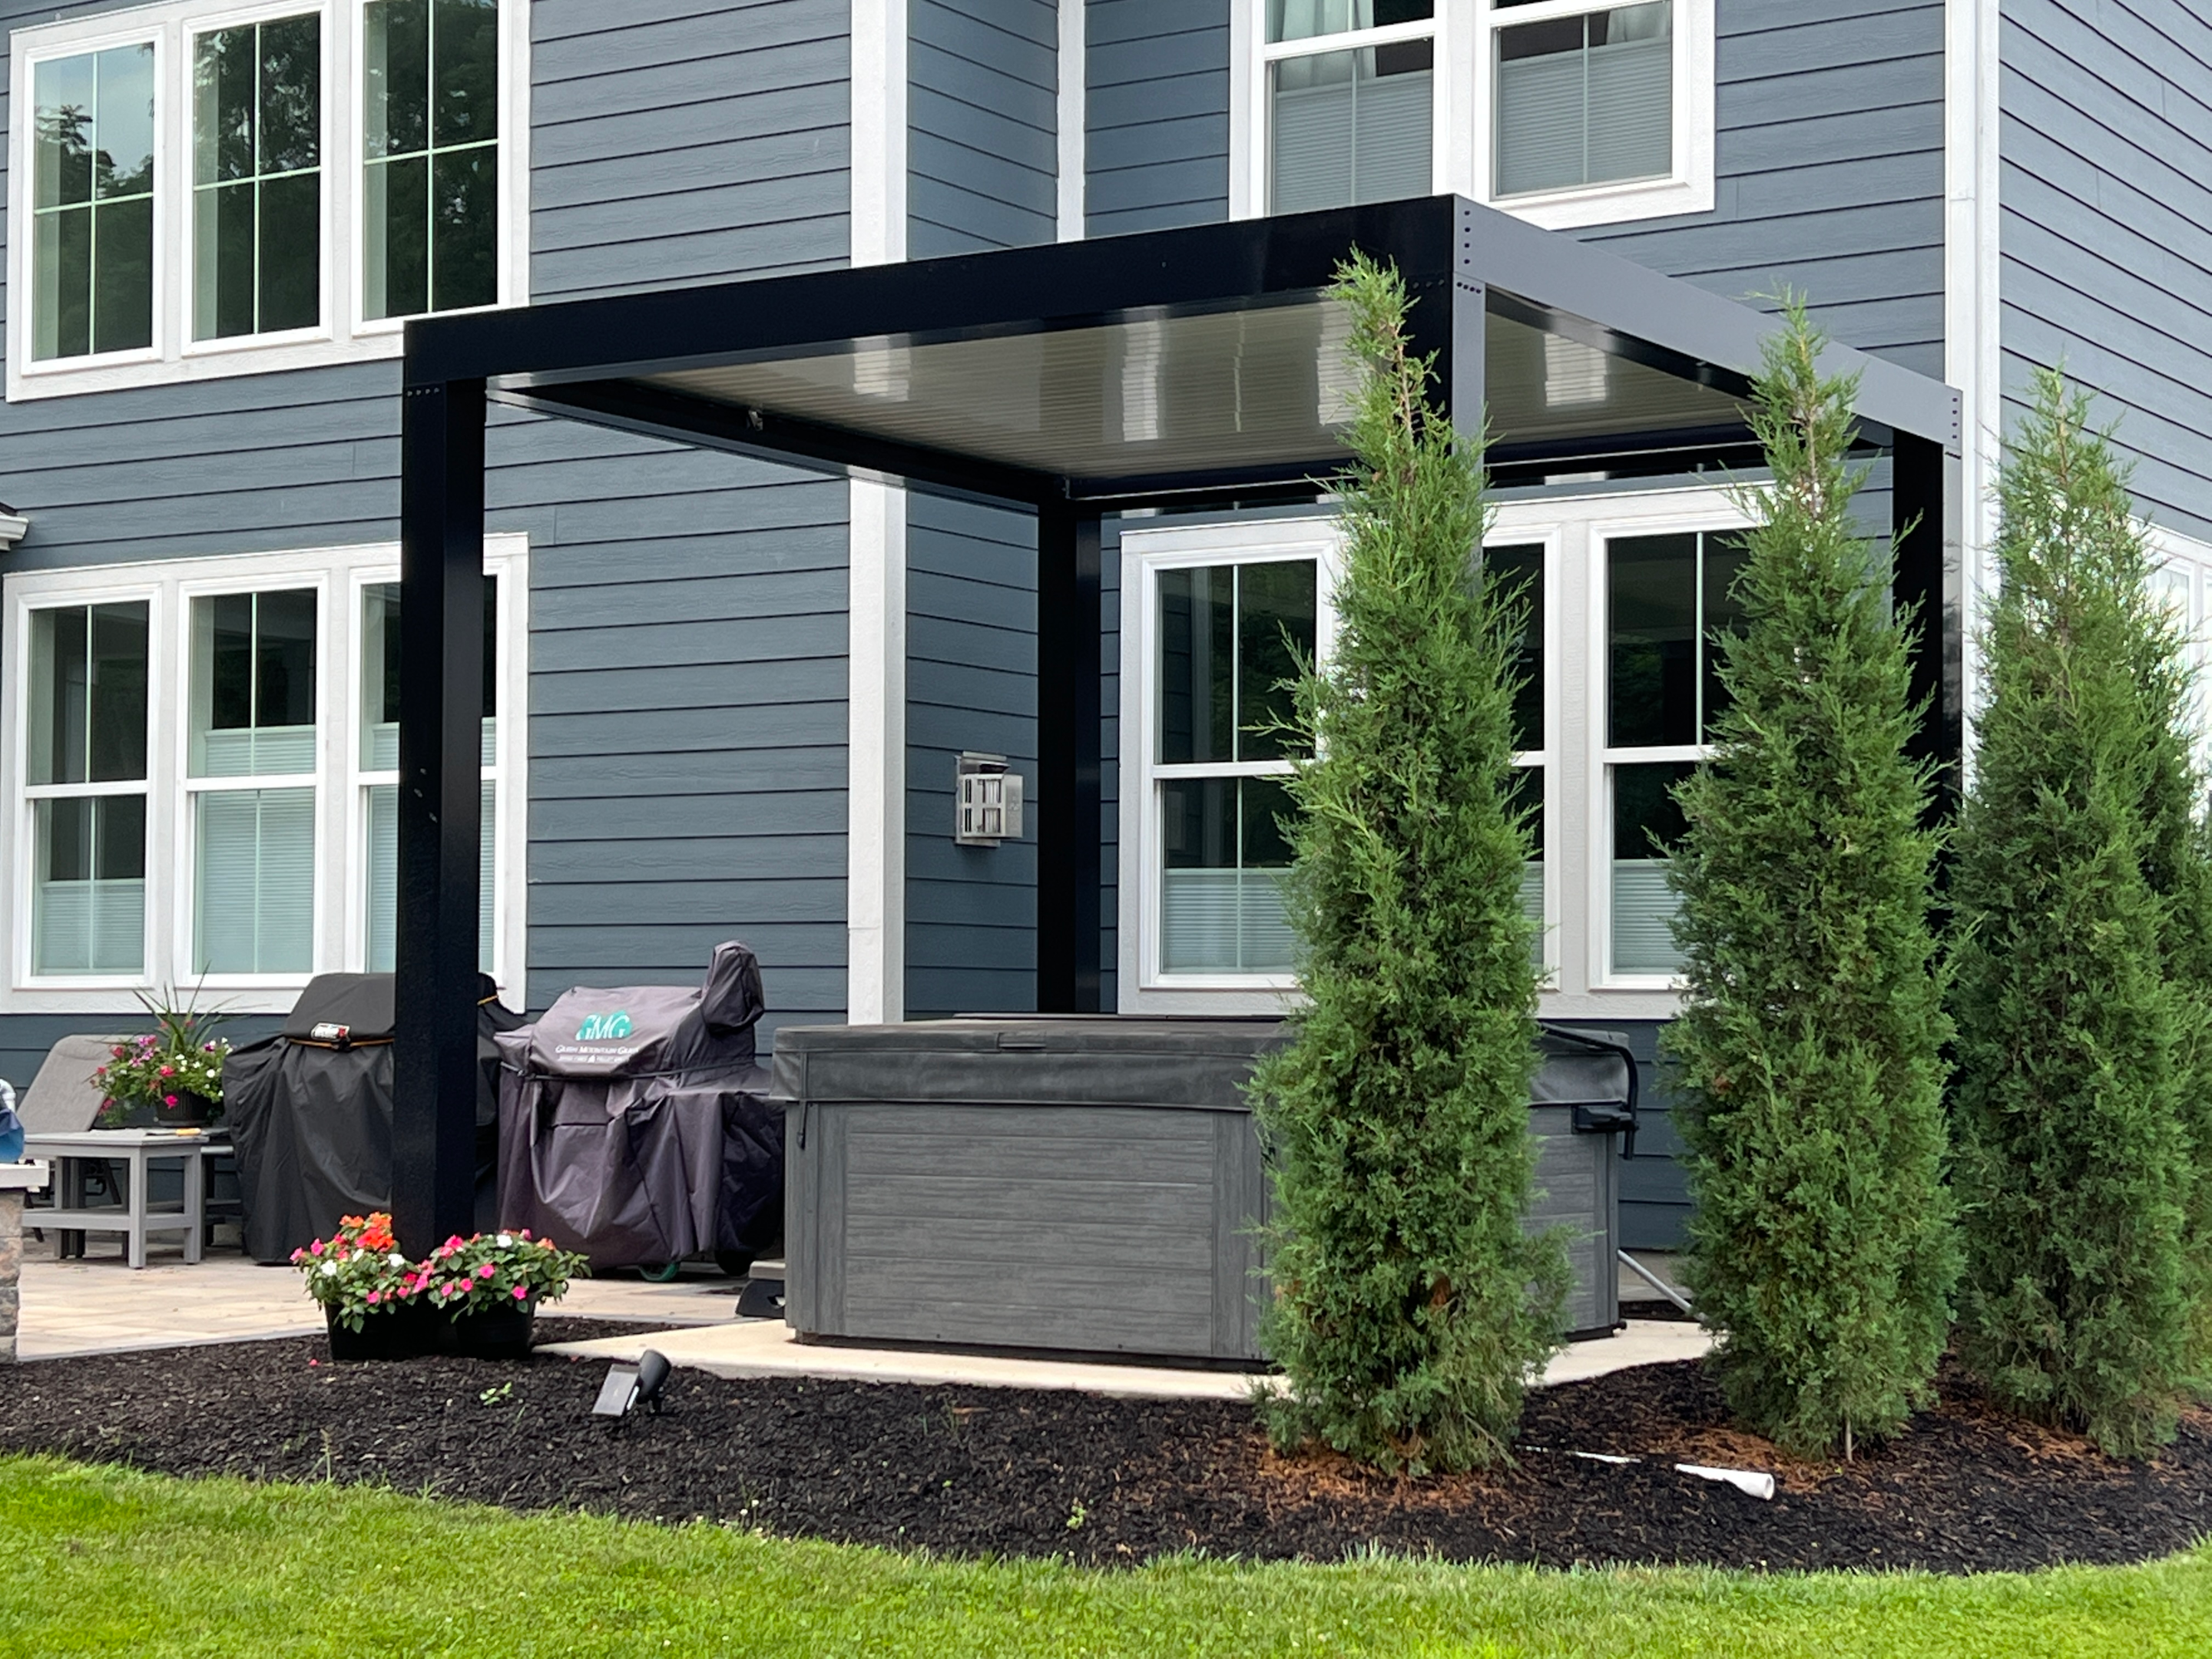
(635, 1125)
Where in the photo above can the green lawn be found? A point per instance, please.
(100, 1561)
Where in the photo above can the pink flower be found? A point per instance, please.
(168, 1100)
(168, 1071)
(374, 1298)
(484, 1271)
(120, 1053)
(520, 1293)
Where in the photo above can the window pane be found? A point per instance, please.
(1527, 799)
(395, 42)
(122, 123)
(61, 278)
(88, 708)
(1197, 665)
(62, 127)
(222, 261)
(254, 895)
(1350, 127)
(380, 670)
(1646, 822)
(123, 275)
(1275, 632)
(88, 894)
(396, 259)
(1652, 618)
(224, 77)
(464, 250)
(1585, 101)
(1301, 20)
(465, 52)
(253, 684)
(1517, 573)
(383, 878)
(291, 95)
(1723, 559)
(1221, 906)
(291, 288)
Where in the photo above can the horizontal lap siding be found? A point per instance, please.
(687, 618)
(982, 125)
(688, 692)
(971, 685)
(2105, 229)
(1157, 114)
(1828, 164)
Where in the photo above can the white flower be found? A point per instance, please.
(396, 1260)
(328, 1268)
(505, 1241)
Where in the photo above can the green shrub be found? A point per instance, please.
(1398, 1117)
(1811, 1088)
(2073, 1169)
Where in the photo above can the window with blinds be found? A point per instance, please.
(1350, 102)
(86, 780)
(379, 778)
(1229, 638)
(1583, 99)
(252, 774)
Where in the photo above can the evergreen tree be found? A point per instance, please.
(1821, 1246)
(1410, 1305)
(2074, 1169)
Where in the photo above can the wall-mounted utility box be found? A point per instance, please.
(988, 801)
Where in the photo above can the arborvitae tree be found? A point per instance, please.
(2074, 1165)
(1821, 1247)
(1410, 1305)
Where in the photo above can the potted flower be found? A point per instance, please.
(367, 1287)
(170, 1075)
(475, 1295)
(487, 1289)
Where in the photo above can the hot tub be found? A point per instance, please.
(1089, 1185)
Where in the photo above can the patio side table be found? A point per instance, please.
(139, 1149)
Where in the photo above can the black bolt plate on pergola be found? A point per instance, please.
(1171, 369)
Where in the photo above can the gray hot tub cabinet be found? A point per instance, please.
(1081, 1185)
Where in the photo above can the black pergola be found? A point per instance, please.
(1181, 367)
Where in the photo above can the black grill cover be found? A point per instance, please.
(635, 1126)
(310, 1112)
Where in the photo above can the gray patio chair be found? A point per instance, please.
(63, 1099)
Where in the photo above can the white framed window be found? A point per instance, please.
(1213, 618)
(207, 754)
(2181, 573)
(1564, 111)
(223, 188)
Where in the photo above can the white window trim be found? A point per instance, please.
(1141, 987)
(1577, 784)
(1462, 121)
(167, 587)
(2170, 549)
(343, 336)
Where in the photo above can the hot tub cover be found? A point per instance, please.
(635, 1123)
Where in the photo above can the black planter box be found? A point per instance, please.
(413, 1329)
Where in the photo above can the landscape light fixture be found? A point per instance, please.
(628, 1385)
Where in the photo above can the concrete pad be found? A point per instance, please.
(764, 1348)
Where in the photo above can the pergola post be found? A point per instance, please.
(442, 524)
(1069, 818)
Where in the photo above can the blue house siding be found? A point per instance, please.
(677, 140)
(688, 693)
(982, 125)
(1157, 114)
(2105, 228)
(971, 685)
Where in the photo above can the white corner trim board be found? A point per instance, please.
(875, 829)
(1074, 111)
(875, 843)
(1972, 311)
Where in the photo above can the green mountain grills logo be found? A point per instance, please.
(604, 1028)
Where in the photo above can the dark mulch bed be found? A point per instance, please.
(1018, 1472)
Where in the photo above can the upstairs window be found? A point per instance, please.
(221, 187)
(1564, 111)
